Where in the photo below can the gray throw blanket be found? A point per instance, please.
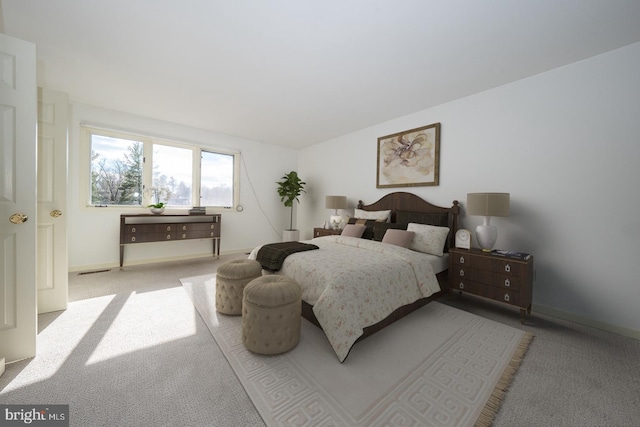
(272, 255)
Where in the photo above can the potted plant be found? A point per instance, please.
(158, 206)
(289, 189)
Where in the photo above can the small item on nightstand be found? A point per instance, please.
(463, 239)
(511, 254)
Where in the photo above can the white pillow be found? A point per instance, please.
(382, 216)
(429, 238)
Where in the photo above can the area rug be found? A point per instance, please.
(439, 366)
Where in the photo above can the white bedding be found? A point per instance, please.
(353, 283)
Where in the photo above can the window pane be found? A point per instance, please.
(116, 171)
(216, 179)
(172, 175)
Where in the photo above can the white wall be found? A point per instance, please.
(564, 143)
(94, 232)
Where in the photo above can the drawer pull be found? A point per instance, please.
(461, 272)
(212, 234)
(184, 236)
(211, 226)
(133, 239)
(461, 260)
(461, 285)
(133, 229)
(506, 297)
(507, 282)
(168, 236)
(168, 228)
(507, 268)
(184, 227)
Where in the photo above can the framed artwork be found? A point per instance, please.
(410, 158)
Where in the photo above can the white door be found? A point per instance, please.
(52, 265)
(18, 121)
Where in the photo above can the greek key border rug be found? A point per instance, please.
(439, 366)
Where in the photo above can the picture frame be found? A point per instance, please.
(410, 158)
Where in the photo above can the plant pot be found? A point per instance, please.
(156, 211)
(290, 235)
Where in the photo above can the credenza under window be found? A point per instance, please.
(146, 228)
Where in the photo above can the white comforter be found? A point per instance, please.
(354, 283)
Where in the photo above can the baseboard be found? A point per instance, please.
(1, 366)
(96, 267)
(586, 321)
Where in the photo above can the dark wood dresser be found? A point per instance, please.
(146, 228)
(505, 279)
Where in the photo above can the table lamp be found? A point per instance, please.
(487, 205)
(335, 203)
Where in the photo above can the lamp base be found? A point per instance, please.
(335, 221)
(487, 235)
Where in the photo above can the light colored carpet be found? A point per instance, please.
(133, 353)
(438, 366)
(572, 375)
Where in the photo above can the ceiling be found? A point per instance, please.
(296, 72)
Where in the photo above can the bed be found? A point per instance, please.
(355, 286)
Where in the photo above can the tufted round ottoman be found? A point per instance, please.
(271, 314)
(231, 278)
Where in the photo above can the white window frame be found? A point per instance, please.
(86, 133)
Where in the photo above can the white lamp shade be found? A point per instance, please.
(336, 202)
(488, 204)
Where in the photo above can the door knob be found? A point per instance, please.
(18, 218)
(55, 213)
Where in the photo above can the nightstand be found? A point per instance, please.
(505, 279)
(319, 232)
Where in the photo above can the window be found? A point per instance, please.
(116, 171)
(130, 170)
(172, 175)
(216, 183)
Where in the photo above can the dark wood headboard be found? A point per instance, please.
(409, 202)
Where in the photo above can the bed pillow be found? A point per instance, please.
(368, 223)
(429, 238)
(398, 237)
(382, 216)
(380, 228)
(353, 230)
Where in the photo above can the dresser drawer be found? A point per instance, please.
(197, 234)
(508, 267)
(469, 273)
(502, 266)
(487, 277)
(197, 226)
(137, 229)
(198, 230)
(509, 296)
(161, 236)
